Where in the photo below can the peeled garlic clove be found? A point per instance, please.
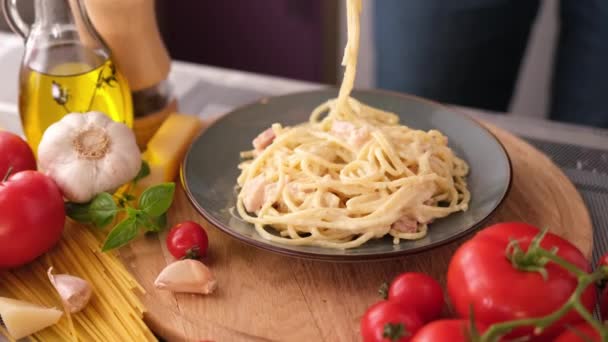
(74, 292)
(186, 275)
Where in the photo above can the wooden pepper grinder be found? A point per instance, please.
(130, 29)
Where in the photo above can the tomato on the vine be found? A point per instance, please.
(387, 321)
(187, 240)
(418, 292)
(582, 332)
(604, 304)
(603, 261)
(482, 278)
(447, 330)
(15, 154)
(32, 216)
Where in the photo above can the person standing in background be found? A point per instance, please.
(469, 52)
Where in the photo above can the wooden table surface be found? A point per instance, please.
(239, 305)
(267, 297)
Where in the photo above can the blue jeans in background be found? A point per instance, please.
(469, 52)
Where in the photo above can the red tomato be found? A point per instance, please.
(480, 275)
(604, 304)
(579, 333)
(418, 292)
(187, 240)
(32, 216)
(384, 318)
(15, 153)
(603, 260)
(604, 295)
(447, 330)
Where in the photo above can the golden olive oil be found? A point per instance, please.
(56, 87)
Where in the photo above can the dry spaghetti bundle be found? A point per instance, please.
(114, 313)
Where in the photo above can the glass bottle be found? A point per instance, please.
(66, 67)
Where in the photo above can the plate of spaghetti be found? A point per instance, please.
(341, 174)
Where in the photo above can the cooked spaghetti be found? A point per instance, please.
(350, 174)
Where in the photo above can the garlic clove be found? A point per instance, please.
(74, 292)
(190, 276)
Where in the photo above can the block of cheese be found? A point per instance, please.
(166, 149)
(23, 319)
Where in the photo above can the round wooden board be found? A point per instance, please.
(267, 297)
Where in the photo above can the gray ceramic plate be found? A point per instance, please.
(209, 170)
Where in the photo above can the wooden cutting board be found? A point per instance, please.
(267, 297)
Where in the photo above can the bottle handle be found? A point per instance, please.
(11, 14)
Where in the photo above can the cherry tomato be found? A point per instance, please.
(419, 292)
(187, 240)
(15, 153)
(603, 260)
(582, 332)
(480, 275)
(447, 330)
(387, 321)
(32, 216)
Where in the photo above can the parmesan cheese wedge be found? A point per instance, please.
(23, 319)
(166, 149)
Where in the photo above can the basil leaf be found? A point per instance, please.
(151, 223)
(161, 221)
(124, 232)
(78, 212)
(157, 199)
(144, 171)
(102, 210)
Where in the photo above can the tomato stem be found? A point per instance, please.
(473, 332)
(531, 260)
(193, 253)
(580, 308)
(535, 257)
(552, 256)
(8, 173)
(394, 331)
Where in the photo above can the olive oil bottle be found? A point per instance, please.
(66, 68)
(45, 98)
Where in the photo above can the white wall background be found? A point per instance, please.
(530, 96)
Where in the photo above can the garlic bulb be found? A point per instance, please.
(186, 275)
(74, 292)
(86, 154)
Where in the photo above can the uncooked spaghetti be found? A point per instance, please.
(115, 313)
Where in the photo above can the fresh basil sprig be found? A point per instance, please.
(150, 214)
